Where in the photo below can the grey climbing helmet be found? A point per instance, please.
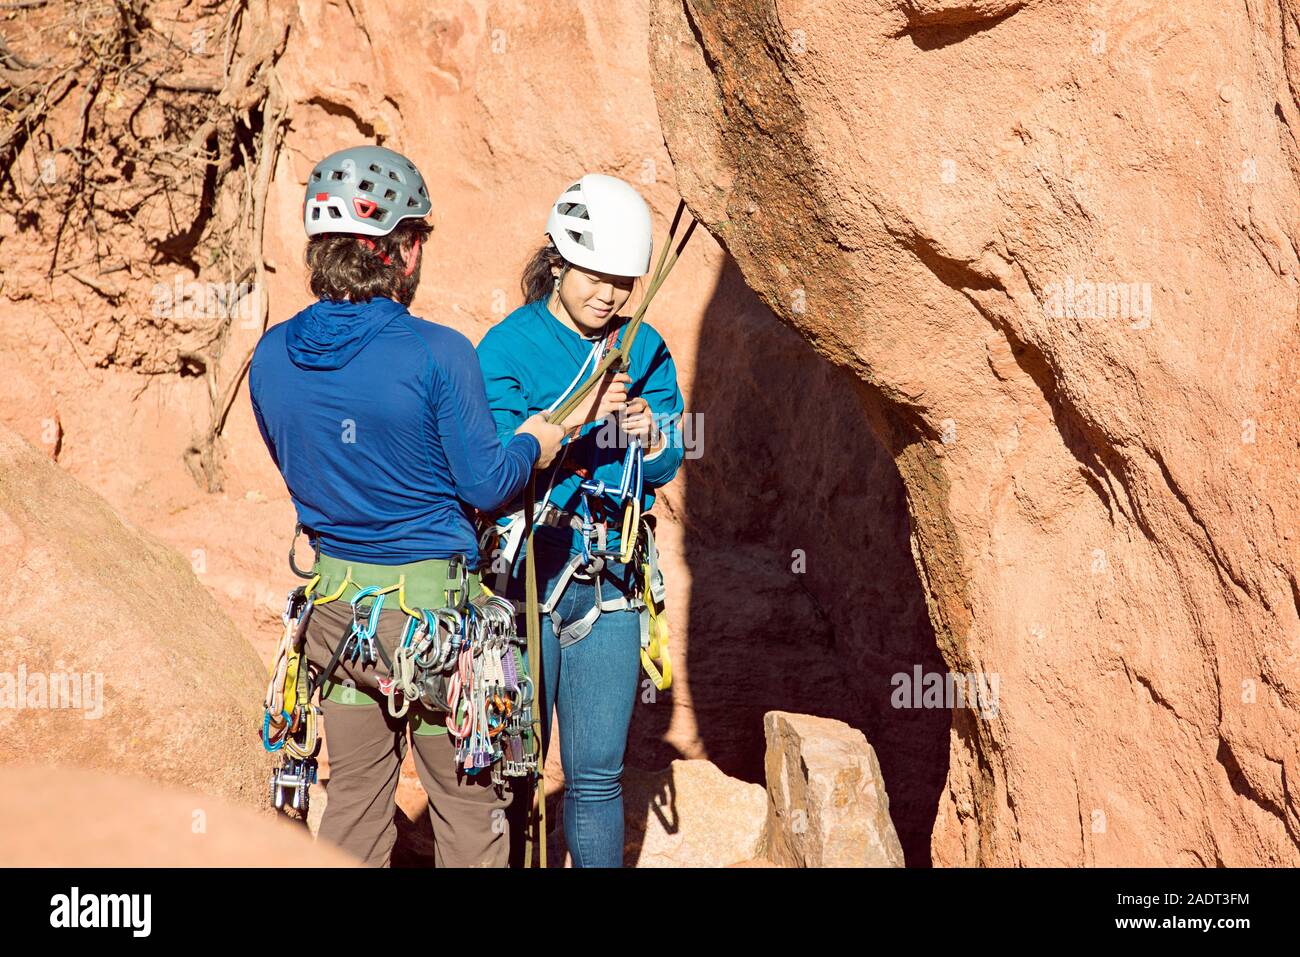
(366, 190)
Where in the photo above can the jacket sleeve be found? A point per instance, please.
(489, 465)
(504, 387)
(665, 400)
(257, 414)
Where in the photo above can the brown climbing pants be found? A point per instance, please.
(366, 746)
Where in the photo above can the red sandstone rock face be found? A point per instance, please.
(1054, 243)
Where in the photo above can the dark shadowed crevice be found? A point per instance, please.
(334, 108)
(792, 476)
(1242, 787)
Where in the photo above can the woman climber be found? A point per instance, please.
(593, 551)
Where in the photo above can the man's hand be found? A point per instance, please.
(548, 438)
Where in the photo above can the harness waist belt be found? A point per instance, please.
(425, 583)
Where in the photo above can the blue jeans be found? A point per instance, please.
(593, 685)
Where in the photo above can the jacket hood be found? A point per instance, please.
(329, 334)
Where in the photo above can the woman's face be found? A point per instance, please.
(592, 298)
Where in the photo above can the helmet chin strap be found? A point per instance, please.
(370, 244)
(410, 262)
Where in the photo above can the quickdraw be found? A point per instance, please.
(485, 698)
(361, 645)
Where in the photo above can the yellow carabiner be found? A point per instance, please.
(631, 525)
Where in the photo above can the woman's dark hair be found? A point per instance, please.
(343, 266)
(537, 281)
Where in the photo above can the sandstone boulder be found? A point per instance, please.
(114, 656)
(826, 799)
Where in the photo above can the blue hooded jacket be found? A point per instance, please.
(530, 357)
(379, 424)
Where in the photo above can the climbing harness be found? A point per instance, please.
(463, 658)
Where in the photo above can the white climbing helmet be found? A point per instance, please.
(602, 224)
(366, 190)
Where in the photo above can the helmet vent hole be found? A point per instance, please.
(366, 186)
(334, 212)
(389, 195)
(422, 192)
(392, 174)
(582, 239)
(315, 174)
(337, 174)
(380, 214)
(412, 202)
(315, 213)
(577, 210)
(375, 169)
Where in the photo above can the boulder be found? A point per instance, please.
(114, 655)
(826, 799)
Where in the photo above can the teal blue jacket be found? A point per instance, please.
(530, 358)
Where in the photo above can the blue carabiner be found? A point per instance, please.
(362, 640)
(266, 732)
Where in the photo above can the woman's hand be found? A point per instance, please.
(607, 398)
(638, 420)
